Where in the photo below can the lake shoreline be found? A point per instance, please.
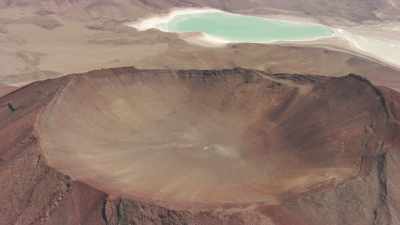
(152, 22)
(341, 37)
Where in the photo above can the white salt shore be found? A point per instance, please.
(387, 51)
(154, 21)
(205, 39)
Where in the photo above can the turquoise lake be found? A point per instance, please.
(240, 28)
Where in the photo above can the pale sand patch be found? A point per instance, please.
(154, 21)
(379, 46)
(203, 39)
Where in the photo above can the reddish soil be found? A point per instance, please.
(125, 146)
(5, 89)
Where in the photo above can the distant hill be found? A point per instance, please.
(352, 10)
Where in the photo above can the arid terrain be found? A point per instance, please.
(44, 39)
(199, 147)
(182, 134)
(5, 89)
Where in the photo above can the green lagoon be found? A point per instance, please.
(240, 28)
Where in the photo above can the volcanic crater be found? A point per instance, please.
(209, 138)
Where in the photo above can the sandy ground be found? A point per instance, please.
(35, 47)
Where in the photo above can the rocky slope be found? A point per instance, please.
(5, 89)
(322, 150)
